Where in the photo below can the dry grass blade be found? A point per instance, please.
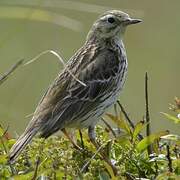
(60, 60)
(10, 71)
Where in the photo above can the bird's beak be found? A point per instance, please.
(130, 21)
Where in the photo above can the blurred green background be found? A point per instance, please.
(30, 27)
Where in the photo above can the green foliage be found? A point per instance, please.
(55, 158)
(171, 117)
(144, 143)
(176, 109)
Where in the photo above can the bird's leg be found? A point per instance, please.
(92, 137)
(82, 142)
(70, 139)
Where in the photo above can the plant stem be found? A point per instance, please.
(148, 128)
(128, 119)
(168, 156)
(10, 71)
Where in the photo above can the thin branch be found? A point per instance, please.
(13, 171)
(2, 142)
(168, 156)
(109, 127)
(88, 162)
(147, 106)
(128, 119)
(36, 167)
(5, 132)
(38, 161)
(156, 168)
(125, 114)
(130, 176)
(148, 128)
(10, 71)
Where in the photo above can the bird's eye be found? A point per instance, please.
(111, 20)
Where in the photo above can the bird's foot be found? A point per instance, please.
(92, 136)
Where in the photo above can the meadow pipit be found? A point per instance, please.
(101, 65)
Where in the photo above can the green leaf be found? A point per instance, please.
(176, 163)
(59, 174)
(144, 143)
(173, 118)
(110, 171)
(171, 137)
(139, 126)
(104, 176)
(167, 176)
(3, 159)
(10, 142)
(120, 122)
(123, 140)
(1, 131)
(24, 176)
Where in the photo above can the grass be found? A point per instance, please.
(153, 156)
(55, 158)
(128, 149)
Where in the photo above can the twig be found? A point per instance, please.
(148, 128)
(2, 142)
(81, 138)
(125, 114)
(36, 167)
(1, 138)
(10, 71)
(38, 160)
(128, 119)
(156, 168)
(87, 163)
(13, 171)
(5, 133)
(168, 156)
(130, 176)
(109, 127)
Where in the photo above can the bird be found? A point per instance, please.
(86, 87)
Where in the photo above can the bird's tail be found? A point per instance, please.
(20, 144)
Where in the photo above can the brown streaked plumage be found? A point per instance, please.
(101, 64)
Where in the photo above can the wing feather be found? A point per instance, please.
(67, 99)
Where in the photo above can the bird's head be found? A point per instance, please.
(110, 24)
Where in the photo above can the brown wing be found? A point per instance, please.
(67, 99)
